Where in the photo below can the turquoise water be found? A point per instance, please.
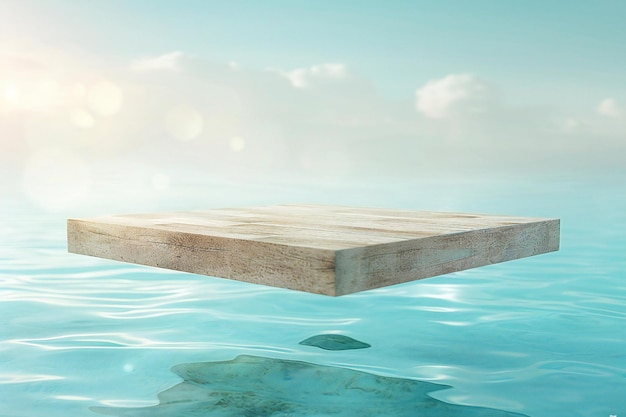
(543, 336)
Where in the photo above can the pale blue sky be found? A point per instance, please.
(540, 52)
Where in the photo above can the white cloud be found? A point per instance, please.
(306, 77)
(165, 62)
(608, 107)
(440, 98)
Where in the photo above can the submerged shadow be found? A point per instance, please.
(253, 386)
(334, 342)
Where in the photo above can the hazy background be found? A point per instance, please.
(135, 101)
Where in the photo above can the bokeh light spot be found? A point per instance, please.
(105, 98)
(237, 144)
(81, 118)
(184, 123)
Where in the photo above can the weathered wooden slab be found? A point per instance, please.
(320, 249)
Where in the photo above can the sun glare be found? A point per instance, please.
(31, 94)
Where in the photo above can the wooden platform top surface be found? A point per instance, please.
(316, 226)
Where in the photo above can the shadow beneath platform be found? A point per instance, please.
(253, 386)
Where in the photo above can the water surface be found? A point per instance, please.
(543, 336)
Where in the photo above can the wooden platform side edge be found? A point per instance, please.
(376, 266)
(284, 266)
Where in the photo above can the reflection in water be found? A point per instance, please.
(255, 386)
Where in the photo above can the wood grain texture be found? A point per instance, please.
(329, 250)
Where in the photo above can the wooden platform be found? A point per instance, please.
(320, 249)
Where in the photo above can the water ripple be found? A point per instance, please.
(8, 378)
(126, 341)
